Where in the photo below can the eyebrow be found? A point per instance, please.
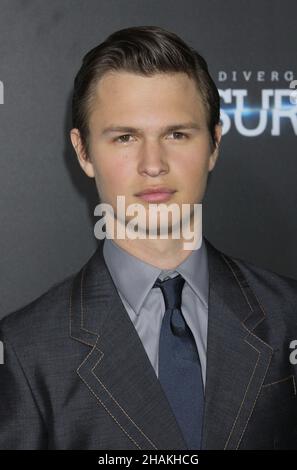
(171, 128)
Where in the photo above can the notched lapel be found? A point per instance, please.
(117, 370)
(237, 359)
(119, 375)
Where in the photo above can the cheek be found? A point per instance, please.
(113, 174)
(192, 165)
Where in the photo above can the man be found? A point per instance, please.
(150, 345)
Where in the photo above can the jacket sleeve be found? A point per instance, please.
(21, 423)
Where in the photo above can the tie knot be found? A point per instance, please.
(171, 290)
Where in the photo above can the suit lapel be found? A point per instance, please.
(237, 359)
(119, 375)
(117, 370)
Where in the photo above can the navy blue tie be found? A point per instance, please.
(179, 364)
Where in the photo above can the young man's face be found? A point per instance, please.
(126, 162)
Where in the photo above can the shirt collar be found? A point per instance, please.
(135, 278)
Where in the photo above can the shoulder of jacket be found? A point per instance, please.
(43, 313)
(276, 292)
(256, 272)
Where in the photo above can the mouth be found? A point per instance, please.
(159, 194)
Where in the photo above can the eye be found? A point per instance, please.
(179, 135)
(123, 138)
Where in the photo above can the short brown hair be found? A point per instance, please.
(144, 50)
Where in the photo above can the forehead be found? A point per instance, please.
(125, 94)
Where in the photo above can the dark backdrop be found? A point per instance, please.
(46, 204)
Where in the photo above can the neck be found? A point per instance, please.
(164, 253)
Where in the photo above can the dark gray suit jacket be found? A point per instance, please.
(76, 375)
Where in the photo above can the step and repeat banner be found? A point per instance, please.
(47, 203)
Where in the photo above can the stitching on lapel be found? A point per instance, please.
(70, 319)
(101, 356)
(259, 352)
(113, 398)
(92, 391)
(82, 302)
(238, 281)
(256, 398)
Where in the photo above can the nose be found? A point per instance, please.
(152, 159)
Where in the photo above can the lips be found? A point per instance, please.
(156, 194)
(155, 189)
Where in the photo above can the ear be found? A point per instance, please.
(214, 156)
(81, 154)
